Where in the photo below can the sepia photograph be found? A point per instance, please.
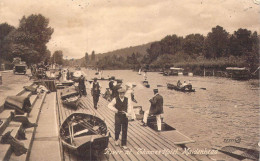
(132, 80)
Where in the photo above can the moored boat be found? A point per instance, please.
(146, 84)
(70, 97)
(84, 134)
(182, 89)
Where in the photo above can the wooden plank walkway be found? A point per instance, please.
(143, 142)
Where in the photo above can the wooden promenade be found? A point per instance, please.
(143, 142)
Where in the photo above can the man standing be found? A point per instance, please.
(156, 109)
(82, 87)
(122, 108)
(116, 88)
(95, 92)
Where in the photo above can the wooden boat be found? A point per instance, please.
(182, 89)
(146, 84)
(84, 134)
(70, 97)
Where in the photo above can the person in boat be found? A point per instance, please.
(189, 86)
(123, 109)
(82, 87)
(156, 109)
(95, 92)
(130, 95)
(116, 88)
(184, 85)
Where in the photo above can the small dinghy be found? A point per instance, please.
(70, 97)
(84, 134)
(146, 84)
(182, 89)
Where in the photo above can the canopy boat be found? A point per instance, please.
(70, 97)
(146, 84)
(84, 134)
(238, 73)
(187, 88)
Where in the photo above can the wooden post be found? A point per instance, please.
(213, 73)
(204, 72)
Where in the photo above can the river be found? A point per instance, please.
(223, 109)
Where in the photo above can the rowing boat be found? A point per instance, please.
(146, 84)
(182, 89)
(84, 134)
(70, 97)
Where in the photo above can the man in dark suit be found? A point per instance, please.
(116, 88)
(156, 109)
(95, 92)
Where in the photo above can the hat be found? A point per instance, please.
(113, 78)
(155, 90)
(95, 78)
(119, 81)
(121, 90)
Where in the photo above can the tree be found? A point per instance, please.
(93, 57)
(30, 39)
(171, 44)
(193, 44)
(242, 42)
(57, 57)
(5, 29)
(154, 51)
(216, 43)
(86, 58)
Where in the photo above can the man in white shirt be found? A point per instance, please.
(123, 109)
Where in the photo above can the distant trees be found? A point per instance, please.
(5, 29)
(29, 40)
(93, 57)
(57, 57)
(216, 43)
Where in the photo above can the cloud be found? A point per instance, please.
(104, 25)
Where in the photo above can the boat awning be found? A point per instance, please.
(236, 68)
(172, 68)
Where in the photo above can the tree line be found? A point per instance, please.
(237, 49)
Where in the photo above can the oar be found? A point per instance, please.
(70, 134)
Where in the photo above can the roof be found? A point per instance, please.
(172, 68)
(236, 68)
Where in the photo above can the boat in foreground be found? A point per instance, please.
(84, 134)
(182, 89)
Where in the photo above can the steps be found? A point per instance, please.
(8, 125)
(30, 132)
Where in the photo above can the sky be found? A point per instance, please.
(82, 26)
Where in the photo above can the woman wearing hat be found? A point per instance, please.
(123, 109)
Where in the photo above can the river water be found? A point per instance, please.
(223, 109)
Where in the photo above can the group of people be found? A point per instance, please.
(121, 104)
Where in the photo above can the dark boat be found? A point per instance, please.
(182, 89)
(146, 84)
(70, 97)
(238, 73)
(84, 134)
